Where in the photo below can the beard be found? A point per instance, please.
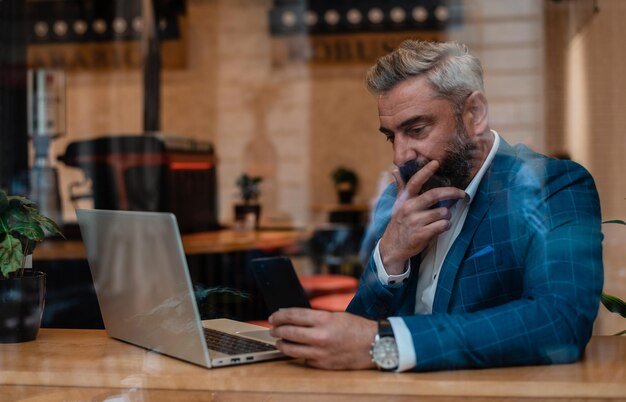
(456, 165)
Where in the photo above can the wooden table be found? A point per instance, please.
(221, 241)
(77, 365)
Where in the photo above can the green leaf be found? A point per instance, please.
(30, 230)
(48, 225)
(4, 201)
(21, 224)
(613, 304)
(16, 200)
(10, 255)
(16, 215)
(4, 225)
(618, 221)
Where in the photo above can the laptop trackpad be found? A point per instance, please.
(262, 335)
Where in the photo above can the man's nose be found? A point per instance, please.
(402, 152)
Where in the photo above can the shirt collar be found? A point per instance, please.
(473, 186)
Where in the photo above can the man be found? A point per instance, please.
(490, 255)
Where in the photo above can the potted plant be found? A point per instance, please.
(249, 210)
(346, 184)
(22, 289)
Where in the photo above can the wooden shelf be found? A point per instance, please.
(222, 241)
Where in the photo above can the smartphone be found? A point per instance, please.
(407, 170)
(278, 282)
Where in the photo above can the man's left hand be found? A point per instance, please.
(332, 341)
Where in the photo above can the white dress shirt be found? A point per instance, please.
(431, 264)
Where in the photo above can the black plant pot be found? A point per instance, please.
(21, 306)
(345, 196)
(243, 210)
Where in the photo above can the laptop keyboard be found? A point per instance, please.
(233, 344)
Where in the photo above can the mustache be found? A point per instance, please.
(453, 170)
(409, 168)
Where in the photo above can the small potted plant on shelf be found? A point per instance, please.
(22, 289)
(346, 184)
(249, 210)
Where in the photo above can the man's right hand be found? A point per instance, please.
(413, 223)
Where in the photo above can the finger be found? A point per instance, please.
(415, 184)
(402, 194)
(439, 194)
(305, 317)
(399, 182)
(437, 197)
(436, 228)
(302, 335)
(297, 350)
(423, 218)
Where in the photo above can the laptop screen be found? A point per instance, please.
(142, 282)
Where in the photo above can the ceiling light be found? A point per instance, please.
(99, 26)
(289, 19)
(332, 17)
(375, 15)
(119, 25)
(60, 28)
(397, 14)
(41, 29)
(442, 13)
(354, 16)
(419, 14)
(310, 18)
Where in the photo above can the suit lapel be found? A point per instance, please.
(451, 264)
(493, 181)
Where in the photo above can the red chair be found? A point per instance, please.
(322, 285)
(335, 302)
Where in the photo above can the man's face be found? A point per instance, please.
(424, 128)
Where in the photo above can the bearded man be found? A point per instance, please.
(485, 254)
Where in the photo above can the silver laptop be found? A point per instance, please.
(146, 297)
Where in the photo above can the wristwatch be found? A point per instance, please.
(384, 349)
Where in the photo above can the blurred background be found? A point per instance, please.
(252, 115)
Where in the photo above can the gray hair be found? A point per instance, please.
(451, 70)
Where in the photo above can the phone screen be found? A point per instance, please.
(407, 170)
(278, 283)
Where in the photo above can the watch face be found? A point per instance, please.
(385, 353)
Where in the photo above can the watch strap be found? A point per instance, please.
(385, 329)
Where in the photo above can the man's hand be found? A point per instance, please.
(413, 223)
(332, 341)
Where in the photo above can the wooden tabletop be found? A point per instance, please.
(88, 365)
(221, 241)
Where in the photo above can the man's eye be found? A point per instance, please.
(389, 137)
(416, 130)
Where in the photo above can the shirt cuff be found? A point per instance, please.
(404, 340)
(383, 277)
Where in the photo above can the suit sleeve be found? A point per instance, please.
(559, 235)
(373, 299)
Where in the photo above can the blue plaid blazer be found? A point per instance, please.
(521, 283)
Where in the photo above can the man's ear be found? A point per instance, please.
(476, 113)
